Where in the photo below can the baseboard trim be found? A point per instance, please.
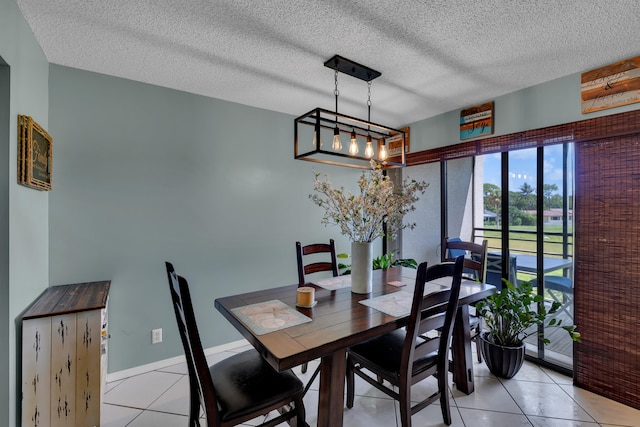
(120, 375)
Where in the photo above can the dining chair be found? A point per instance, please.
(474, 254)
(408, 355)
(238, 388)
(314, 265)
(475, 264)
(304, 253)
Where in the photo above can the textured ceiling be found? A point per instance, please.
(434, 55)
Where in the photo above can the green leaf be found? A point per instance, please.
(515, 310)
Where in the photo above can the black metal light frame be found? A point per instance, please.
(320, 118)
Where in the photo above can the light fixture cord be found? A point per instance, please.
(369, 101)
(336, 92)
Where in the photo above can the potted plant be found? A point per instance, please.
(381, 262)
(510, 316)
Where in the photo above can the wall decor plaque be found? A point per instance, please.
(476, 121)
(611, 86)
(34, 154)
(394, 143)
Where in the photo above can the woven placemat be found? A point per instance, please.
(334, 283)
(269, 316)
(397, 304)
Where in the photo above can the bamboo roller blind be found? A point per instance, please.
(607, 271)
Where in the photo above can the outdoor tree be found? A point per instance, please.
(548, 192)
(526, 197)
(492, 198)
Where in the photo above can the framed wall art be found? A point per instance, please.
(476, 121)
(34, 154)
(611, 86)
(394, 143)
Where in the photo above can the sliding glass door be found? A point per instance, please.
(557, 238)
(527, 198)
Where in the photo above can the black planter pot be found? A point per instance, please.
(503, 362)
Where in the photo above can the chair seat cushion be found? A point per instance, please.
(245, 382)
(556, 283)
(386, 352)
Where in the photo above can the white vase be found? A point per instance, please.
(361, 267)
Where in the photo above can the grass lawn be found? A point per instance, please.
(523, 240)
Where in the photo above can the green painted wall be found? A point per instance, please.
(24, 226)
(144, 174)
(5, 149)
(547, 104)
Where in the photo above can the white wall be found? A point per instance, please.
(421, 243)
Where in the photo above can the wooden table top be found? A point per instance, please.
(338, 319)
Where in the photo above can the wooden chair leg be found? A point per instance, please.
(478, 352)
(446, 410)
(313, 377)
(405, 405)
(194, 411)
(444, 398)
(350, 380)
(301, 413)
(303, 367)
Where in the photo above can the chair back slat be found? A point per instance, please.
(433, 322)
(316, 266)
(425, 347)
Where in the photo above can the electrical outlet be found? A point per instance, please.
(156, 336)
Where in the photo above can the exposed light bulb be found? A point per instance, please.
(382, 153)
(353, 147)
(315, 140)
(337, 144)
(368, 151)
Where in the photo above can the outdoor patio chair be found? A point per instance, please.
(562, 285)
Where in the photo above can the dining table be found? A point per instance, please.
(340, 319)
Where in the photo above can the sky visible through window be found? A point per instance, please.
(522, 168)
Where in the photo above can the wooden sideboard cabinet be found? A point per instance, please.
(64, 356)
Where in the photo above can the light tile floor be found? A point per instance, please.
(535, 397)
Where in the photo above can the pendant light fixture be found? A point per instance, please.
(320, 122)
